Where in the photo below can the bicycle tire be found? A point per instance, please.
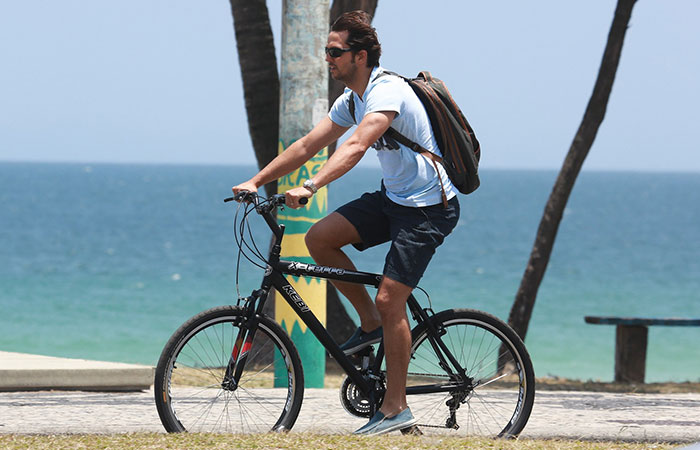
(188, 387)
(500, 400)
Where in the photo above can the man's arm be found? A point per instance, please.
(322, 135)
(372, 127)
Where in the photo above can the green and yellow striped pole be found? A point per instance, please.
(304, 102)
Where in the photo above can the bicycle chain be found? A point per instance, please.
(428, 375)
(430, 426)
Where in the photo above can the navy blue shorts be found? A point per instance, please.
(414, 233)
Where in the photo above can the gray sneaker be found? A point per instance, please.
(377, 417)
(361, 339)
(383, 424)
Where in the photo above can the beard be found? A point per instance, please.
(346, 76)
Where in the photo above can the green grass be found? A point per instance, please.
(294, 441)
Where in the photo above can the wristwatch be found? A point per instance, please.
(308, 184)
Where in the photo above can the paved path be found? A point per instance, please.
(575, 415)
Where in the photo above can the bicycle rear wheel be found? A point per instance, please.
(192, 395)
(499, 399)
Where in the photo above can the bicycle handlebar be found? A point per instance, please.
(276, 200)
(264, 207)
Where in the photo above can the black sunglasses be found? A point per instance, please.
(335, 52)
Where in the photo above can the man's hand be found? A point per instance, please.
(247, 186)
(293, 196)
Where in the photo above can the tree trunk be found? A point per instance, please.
(524, 303)
(261, 84)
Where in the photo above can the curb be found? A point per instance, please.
(23, 372)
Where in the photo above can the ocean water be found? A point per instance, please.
(106, 261)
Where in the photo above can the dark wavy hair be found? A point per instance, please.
(361, 34)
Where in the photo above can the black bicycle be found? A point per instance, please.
(234, 369)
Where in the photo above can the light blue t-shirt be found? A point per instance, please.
(409, 177)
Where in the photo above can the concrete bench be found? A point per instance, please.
(631, 336)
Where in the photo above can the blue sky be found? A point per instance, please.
(158, 81)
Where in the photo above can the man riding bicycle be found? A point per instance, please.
(415, 208)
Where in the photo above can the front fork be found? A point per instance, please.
(244, 341)
(236, 362)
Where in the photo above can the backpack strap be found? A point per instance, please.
(351, 106)
(435, 159)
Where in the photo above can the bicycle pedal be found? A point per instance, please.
(413, 430)
(366, 354)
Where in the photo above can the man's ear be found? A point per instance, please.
(361, 57)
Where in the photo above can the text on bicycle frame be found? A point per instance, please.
(295, 297)
(313, 269)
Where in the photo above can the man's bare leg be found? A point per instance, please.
(324, 241)
(391, 303)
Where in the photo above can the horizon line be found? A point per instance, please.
(361, 166)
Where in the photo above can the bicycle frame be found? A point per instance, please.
(275, 278)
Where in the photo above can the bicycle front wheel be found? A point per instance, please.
(191, 390)
(498, 399)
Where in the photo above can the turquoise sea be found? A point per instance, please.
(105, 261)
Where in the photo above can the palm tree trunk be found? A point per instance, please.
(261, 84)
(524, 303)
